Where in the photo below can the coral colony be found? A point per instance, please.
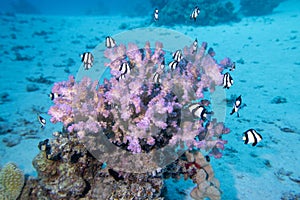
(145, 107)
(151, 110)
(11, 182)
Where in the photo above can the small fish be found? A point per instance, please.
(156, 78)
(198, 111)
(195, 46)
(53, 96)
(124, 68)
(207, 158)
(87, 58)
(42, 121)
(232, 67)
(252, 137)
(237, 106)
(195, 13)
(227, 80)
(155, 14)
(110, 42)
(177, 55)
(162, 65)
(173, 65)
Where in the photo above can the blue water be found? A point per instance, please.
(75, 8)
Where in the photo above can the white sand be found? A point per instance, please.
(269, 46)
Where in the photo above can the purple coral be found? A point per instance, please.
(137, 114)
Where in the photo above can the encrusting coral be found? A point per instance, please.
(121, 138)
(11, 182)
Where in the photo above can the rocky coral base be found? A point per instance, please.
(66, 170)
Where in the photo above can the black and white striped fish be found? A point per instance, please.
(198, 111)
(155, 15)
(122, 77)
(156, 78)
(195, 46)
(173, 65)
(88, 59)
(237, 106)
(110, 42)
(124, 69)
(227, 80)
(53, 96)
(42, 121)
(195, 13)
(177, 55)
(252, 137)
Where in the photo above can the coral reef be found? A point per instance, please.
(11, 182)
(257, 8)
(137, 114)
(211, 12)
(66, 170)
(122, 137)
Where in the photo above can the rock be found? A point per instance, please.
(290, 195)
(32, 88)
(123, 26)
(4, 130)
(11, 140)
(4, 97)
(40, 79)
(20, 57)
(240, 61)
(287, 130)
(278, 100)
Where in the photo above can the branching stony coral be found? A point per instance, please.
(11, 182)
(138, 114)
